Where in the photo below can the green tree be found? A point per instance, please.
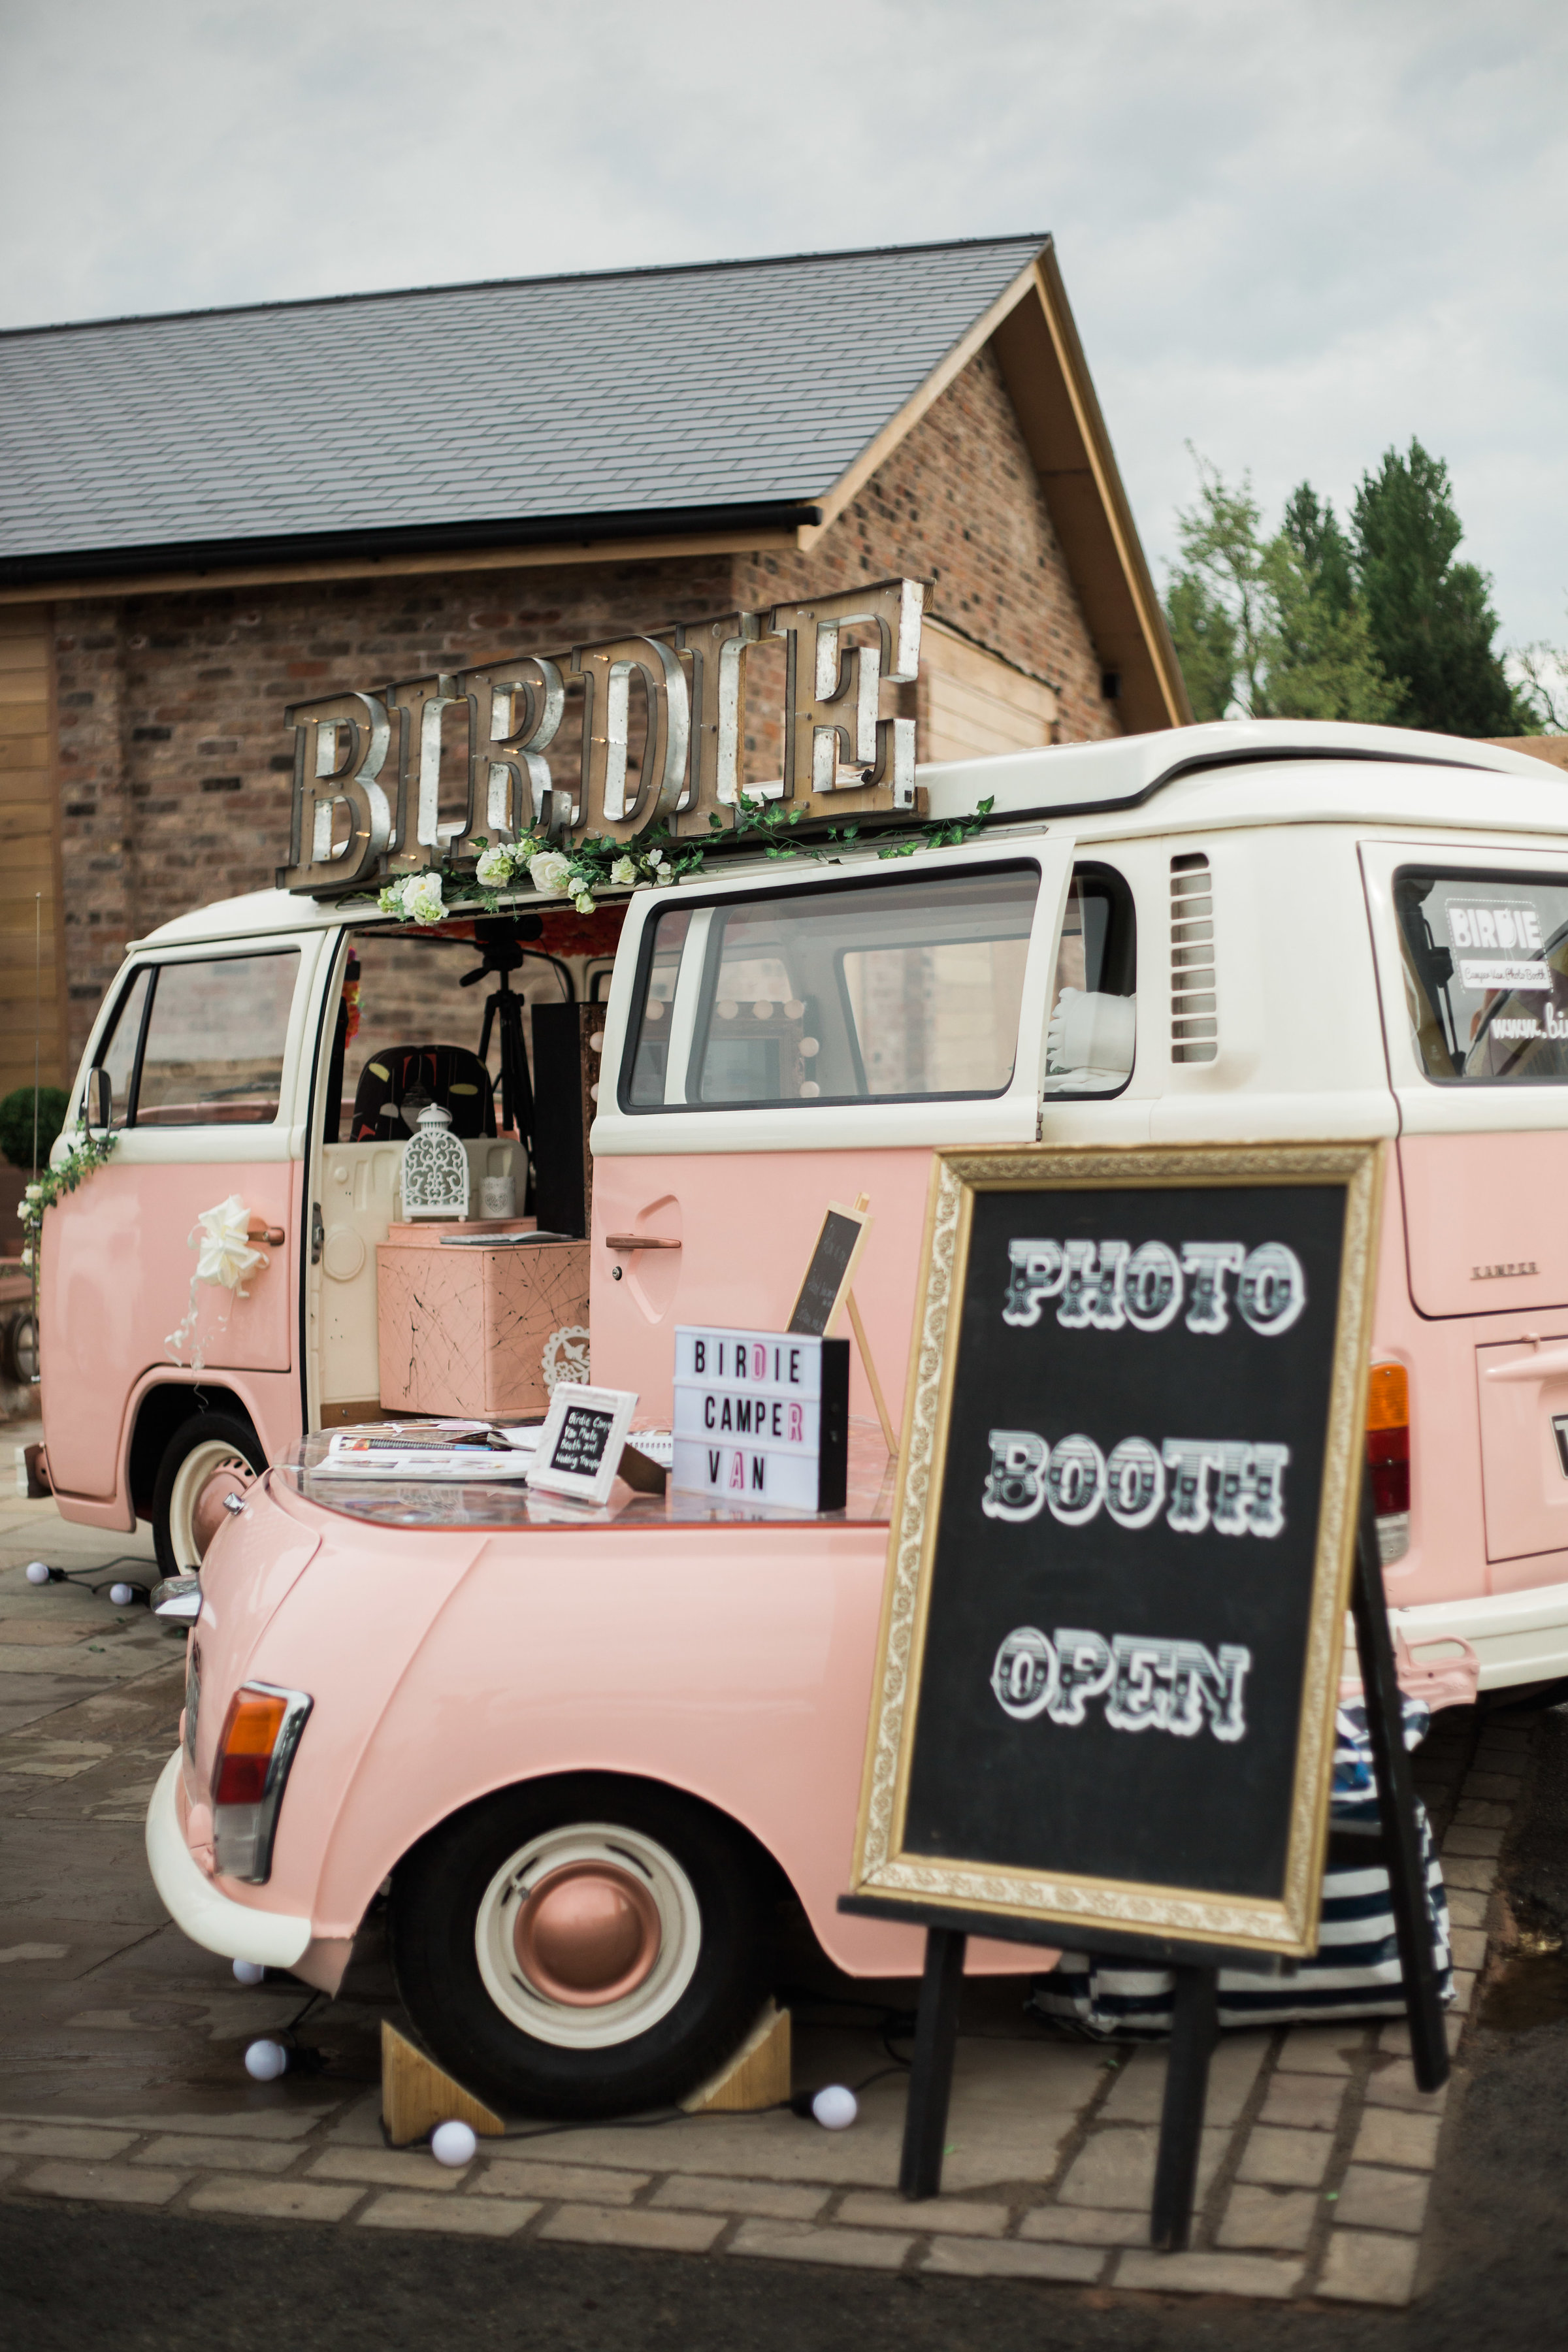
(1321, 662)
(1430, 618)
(1270, 629)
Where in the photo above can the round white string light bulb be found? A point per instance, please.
(249, 1972)
(453, 2144)
(122, 1595)
(37, 1572)
(835, 2109)
(265, 2061)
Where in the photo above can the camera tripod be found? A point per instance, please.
(499, 941)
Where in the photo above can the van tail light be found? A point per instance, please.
(250, 1770)
(1388, 1457)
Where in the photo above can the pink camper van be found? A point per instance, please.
(1243, 931)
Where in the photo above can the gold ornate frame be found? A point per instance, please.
(883, 1868)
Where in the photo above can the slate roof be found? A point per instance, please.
(637, 399)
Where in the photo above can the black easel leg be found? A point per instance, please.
(1401, 1845)
(930, 2075)
(1194, 2030)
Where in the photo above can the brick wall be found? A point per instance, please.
(174, 768)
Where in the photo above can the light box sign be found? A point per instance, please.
(762, 1418)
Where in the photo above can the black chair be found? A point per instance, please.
(398, 1082)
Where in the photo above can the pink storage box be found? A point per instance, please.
(483, 1330)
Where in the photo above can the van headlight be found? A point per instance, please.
(250, 1772)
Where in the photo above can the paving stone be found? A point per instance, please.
(62, 2139)
(1197, 2273)
(1371, 2198)
(1309, 2101)
(1285, 2159)
(1395, 2086)
(275, 2200)
(1469, 1870)
(239, 2122)
(1467, 1907)
(776, 2201)
(1077, 2225)
(974, 2258)
(1466, 1840)
(1499, 1787)
(1470, 1947)
(1362, 2266)
(600, 2225)
(190, 2149)
(105, 2184)
(1463, 1990)
(360, 2124)
(797, 2241)
(497, 2217)
(865, 2208)
(414, 2168)
(1115, 2166)
(1387, 2136)
(1283, 2218)
(1320, 2050)
(577, 2180)
(1135, 2097)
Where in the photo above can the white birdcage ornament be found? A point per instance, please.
(435, 1167)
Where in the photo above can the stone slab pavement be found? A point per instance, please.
(122, 2080)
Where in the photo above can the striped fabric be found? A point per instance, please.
(1355, 1972)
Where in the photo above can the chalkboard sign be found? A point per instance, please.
(580, 1445)
(1122, 1545)
(831, 1271)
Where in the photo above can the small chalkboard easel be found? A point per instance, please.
(1394, 1842)
(826, 1284)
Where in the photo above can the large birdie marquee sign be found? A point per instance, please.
(368, 772)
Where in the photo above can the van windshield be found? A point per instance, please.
(1485, 973)
(893, 992)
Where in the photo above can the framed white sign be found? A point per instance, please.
(579, 1449)
(762, 1418)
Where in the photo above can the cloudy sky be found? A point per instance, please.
(1293, 231)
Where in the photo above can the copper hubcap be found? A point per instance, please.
(587, 1934)
(208, 1512)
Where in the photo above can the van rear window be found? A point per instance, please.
(1485, 973)
(892, 991)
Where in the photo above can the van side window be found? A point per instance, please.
(1094, 1019)
(117, 1054)
(887, 991)
(1485, 973)
(214, 1051)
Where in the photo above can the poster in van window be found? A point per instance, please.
(1122, 1540)
(1486, 971)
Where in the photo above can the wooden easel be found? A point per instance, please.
(1195, 2022)
(863, 1200)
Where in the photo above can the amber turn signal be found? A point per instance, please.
(1388, 1438)
(250, 1732)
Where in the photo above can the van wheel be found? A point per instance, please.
(209, 1456)
(579, 1947)
(19, 1348)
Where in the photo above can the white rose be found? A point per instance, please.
(494, 866)
(585, 902)
(33, 1192)
(656, 858)
(549, 874)
(662, 877)
(27, 1255)
(624, 869)
(22, 1208)
(422, 898)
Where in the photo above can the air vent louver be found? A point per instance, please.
(1194, 1009)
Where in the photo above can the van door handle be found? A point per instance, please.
(318, 1234)
(1545, 1364)
(638, 1241)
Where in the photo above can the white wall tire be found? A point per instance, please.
(582, 1946)
(211, 1454)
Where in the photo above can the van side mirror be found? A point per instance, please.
(99, 1105)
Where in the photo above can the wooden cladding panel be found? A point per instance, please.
(32, 991)
(973, 703)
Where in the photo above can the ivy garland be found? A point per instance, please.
(655, 860)
(87, 1152)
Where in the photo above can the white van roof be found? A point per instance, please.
(1229, 772)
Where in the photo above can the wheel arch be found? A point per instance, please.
(157, 1412)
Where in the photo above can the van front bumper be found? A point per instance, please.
(1518, 1637)
(199, 1908)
